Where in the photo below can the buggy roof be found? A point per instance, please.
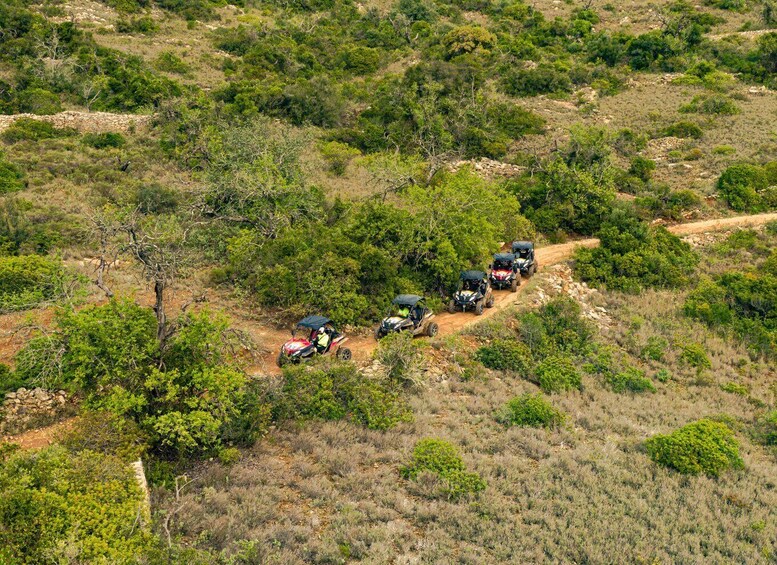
(472, 275)
(522, 245)
(313, 322)
(407, 300)
(504, 257)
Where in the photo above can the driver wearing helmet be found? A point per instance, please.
(321, 340)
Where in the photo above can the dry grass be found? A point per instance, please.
(331, 492)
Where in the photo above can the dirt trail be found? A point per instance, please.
(362, 347)
(748, 34)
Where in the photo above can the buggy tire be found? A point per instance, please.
(533, 270)
(515, 284)
(490, 302)
(344, 354)
(479, 308)
(451, 307)
(432, 329)
(281, 360)
(378, 334)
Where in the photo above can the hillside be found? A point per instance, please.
(181, 181)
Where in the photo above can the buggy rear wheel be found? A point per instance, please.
(378, 334)
(344, 354)
(451, 306)
(431, 329)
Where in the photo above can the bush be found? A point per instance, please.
(11, 177)
(182, 397)
(27, 281)
(505, 354)
(694, 355)
(655, 348)
(336, 391)
(107, 433)
(735, 388)
(633, 256)
(56, 507)
(766, 428)
(530, 410)
(703, 446)
(468, 39)
(630, 380)
(39, 101)
(402, 358)
(544, 79)
(338, 156)
(441, 459)
(143, 24)
(169, 62)
(103, 140)
(642, 168)
(684, 130)
(717, 104)
(30, 129)
(739, 185)
(558, 374)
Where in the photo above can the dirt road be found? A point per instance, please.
(362, 347)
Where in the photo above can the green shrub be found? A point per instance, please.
(556, 327)
(694, 355)
(633, 256)
(505, 354)
(684, 130)
(143, 24)
(9, 380)
(703, 446)
(30, 129)
(336, 391)
(468, 39)
(156, 199)
(26, 281)
(717, 104)
(766, 428)
(441, 459)
(663, 376)
(338, 156)
(169, 62)
(739, 185)
(103, 140)
(558, 374)
(630, 379)
(530, 410)
(655, 348)
(402, 358)
(11, 177)
(229, 456)
(57, 506)
(39, 101)
(544, 79)
(642, 168)
(105, 432)
(182, 397)
(735, 388)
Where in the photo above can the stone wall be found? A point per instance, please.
(25, 407)
(86, 122)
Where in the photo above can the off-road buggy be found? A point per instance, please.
(408, 312)
(321, 339)
(474, 293)
(505, 272)
(524, 252)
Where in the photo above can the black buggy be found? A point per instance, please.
(408, 312)
(474, 293)
(524, 252)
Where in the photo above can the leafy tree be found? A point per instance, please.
(704, 446)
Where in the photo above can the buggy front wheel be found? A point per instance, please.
(282, 360)
(431, 329)
(490, 302)
(344, 354)
(515, 283)
(479, 308)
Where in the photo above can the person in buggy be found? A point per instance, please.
(505, 272)
(408, 312)
(323, 338)
(524, 252)
(474, 293)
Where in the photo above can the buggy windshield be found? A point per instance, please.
(470, 284)
(502, 264)
(524, 253)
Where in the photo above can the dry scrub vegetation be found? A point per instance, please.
(584, 491)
